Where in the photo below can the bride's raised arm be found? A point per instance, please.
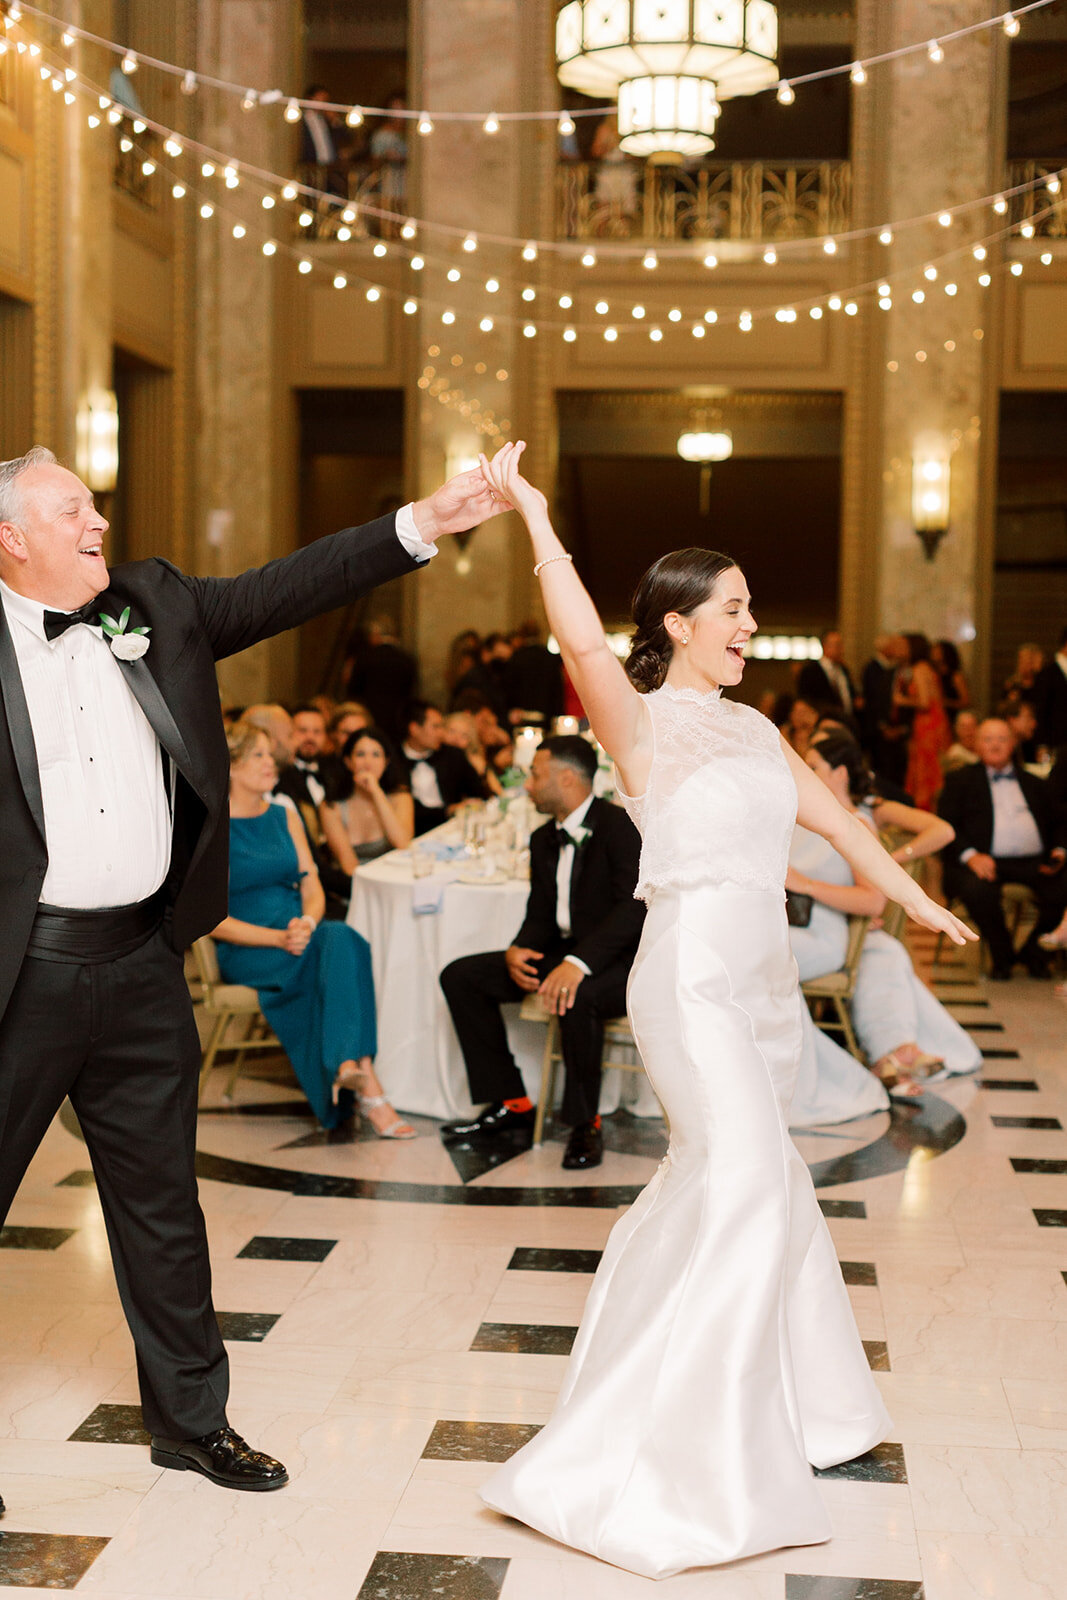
(612, 704)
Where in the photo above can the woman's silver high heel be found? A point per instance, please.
(396, 1130)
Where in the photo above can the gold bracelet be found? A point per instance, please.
(547, 562)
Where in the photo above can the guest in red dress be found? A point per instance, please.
(931, 735)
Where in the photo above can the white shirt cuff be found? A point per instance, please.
(965, 855)
(409, 535)
(582, 967)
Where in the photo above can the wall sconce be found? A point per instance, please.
(705, 448)
(931, 476)
(96, 451)
(460, 459)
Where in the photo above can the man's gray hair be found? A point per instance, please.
(11, 504)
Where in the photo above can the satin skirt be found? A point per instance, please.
(718, 1358)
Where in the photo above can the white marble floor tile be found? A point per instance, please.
(1039, 1410)
(972, 1566)
(551, 1297)
(429, 1267)
(1019, 1493)
(951, 1345)
(402, 1319)
(873, 1536)
(940, 1410)
(1001, 1291)
(462, 1385)
(530, 1578)
(39, 1401)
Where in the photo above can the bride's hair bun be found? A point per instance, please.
(679, 581)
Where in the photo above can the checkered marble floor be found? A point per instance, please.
(397, 1321)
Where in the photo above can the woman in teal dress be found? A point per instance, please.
(313, 977)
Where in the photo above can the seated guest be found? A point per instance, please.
(301, 780)
(1009, 829)
(440, 776)
(576, 946)
(1021, 718)
(277, 724)
(313, 977)
(902, 1028)
(347, 717)
(461, 731)
(486, 723)
(963, 752)
(377, 814)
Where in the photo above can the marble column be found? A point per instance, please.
(243, 517)
(485, 184)
(929, 136)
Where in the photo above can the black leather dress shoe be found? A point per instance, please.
(585, 1147)
(495, 1119)
(222, 1456)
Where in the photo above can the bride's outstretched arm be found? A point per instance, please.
(612, 704)
(818, 810)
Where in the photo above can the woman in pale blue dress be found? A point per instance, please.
(313, 978)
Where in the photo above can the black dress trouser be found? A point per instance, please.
(984, 906)
(119, 1038)
(477, 986)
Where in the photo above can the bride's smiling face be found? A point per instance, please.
(709, 641)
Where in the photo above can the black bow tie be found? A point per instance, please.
(57, 622)
(1007, 776)
(563, 836)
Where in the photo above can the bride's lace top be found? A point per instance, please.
(720, 802)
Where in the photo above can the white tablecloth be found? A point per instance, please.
(419, 1060)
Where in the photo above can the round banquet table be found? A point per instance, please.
(419, 1060)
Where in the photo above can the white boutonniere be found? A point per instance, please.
(581, 836)
(128, 644)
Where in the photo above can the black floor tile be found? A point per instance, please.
(475, 1159)
(394, 1575)
(984, 1004)
(247, 1326)
(1049, 1217)
(1049, 1124)
(1000, 1055)
(84, 1178)
(533, 1259)
(478, 1441)
(15, 1238)
(1052, 1169)
(525, 1338)
(1022, 1084)
(982, 1027)
(842, 1208)
(110, 1424)
(883, 1464)
(860, 1273)
(853, 1588)
(877, 1352)
(263, 1248)
(1063, 1275)
(46, 1560)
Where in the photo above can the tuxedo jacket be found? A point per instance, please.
(967, 802)
(1049, 695)
(816, 688)
(606, 920)
(456, 779)
(193, 623)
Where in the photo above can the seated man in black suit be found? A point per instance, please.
(440, 776)
(576, 945)
(1009, 829)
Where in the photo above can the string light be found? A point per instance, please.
(815, 313)
(655, 334)
(857, 72)
(178, 191)
(770, 257)
(935, 52)
(410, 307)
(529, 250)
(884, 289)
(951, 289)
(601, 308)
(380, 249)
(453, 275)
(945, 219)
(231, 178)
(293, 112)
(305, 219)
(930, 274)
(129, 63)
(417, 263)
(711, 261)
(1000, 205)
(207, 210)
(148, 167)
(674, 315)
(448, 317)
(268, 202)
(834, 302)
(829, 247)
(269, 247)
(979, 252)
(651, 260)
(304, 265)
(529, 293)
(290, 191)
(348, 215)
(188, 83)
(491, 123)
(570, 334)
(1011, 25)
(340, 281)
(14, 14)
(173, 147)
(566, 125)
(611, 334)
(711, 317)
(529, 330)
(409, 230)
(744, 322)
(698, 330)
(1027, 230)
(470, 243)
(1016, 269)
(67, 39)
(249, 100)
(589, 258)
(886, 236)
(1052, 184)
(1046, 258)
(786, 95)
(354, 117)
(374, 293)
(985, 280)
(425, 124)
(492, 285)
(918, 295)
(239, 230)
(565, 302)
(637, 312)
(885, 303)
(486, 324)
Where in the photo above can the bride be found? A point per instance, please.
(718, 1360)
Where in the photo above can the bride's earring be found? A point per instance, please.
(685, 638)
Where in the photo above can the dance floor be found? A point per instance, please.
(398, 1318)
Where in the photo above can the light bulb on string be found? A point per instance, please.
(1027, 230)
(230, 177)
(104, 103)
(1016, 269)
(1052, 183)
(935, 52)
(785, 314)
(1046, 258)
(918, 295)
(834, 302)
(173, 147)
(93, 120)
(470, 243)
(269, 247)
(529, 250)
(486, 324)
(453, 274)
(491, 123)
(985, 280)
(374, 293)
(529, 293)
(945, 219)
(239, 230)
(304, 265)
(611, 334)
(698, 330)
(14, 14)
(305, 219)
(650, 261)
(930, 274)
(416, 263)
(348, 215)
(770, 257)
(601, 308)
(409, 230)
(138, 126)
(1011, 25)
(380, 249)
(951, 289)
(829, 247)
(114, 116)
(1000, 205)
(674, 314)
(188, 83)
(147, 168)
(290, 191)
(492, 285)
(293, 112)
(589, 258)
(249, 100)
(711, 317)
(410, 307)
(566, 125)
(67, 39)
(570, 334)
(70, 74)
(655, 334)
(354, 117)
(565, 302)
(744, 322)
(207, 210)
(448, 318)
(425, 125)
(851, 308)
(637, 312)
(125, 145)
(178, 191)
(884, 289)
(979, 252)
(268, 202)
(885, 303)
(340, 281)
(129, 63)
(815, 313)
(711, 261)
(858, 73)
(886, 236)
(786, 95)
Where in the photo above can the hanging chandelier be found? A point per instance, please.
(668, 63)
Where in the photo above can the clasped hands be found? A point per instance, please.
(472, 497)
(296, 935)
(984, 866)
(557, 990)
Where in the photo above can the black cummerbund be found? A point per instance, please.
(87, 938)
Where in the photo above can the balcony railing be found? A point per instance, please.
(1027, 207)
(382, 185)
(743, 200)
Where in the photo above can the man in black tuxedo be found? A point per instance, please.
(1049, 696)
(1009, 829)
(114, 816)
(310, 776)
(576, 945)
(885, 735)
(439, 775)
(828, 682)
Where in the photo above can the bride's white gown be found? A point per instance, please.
(718, 1359)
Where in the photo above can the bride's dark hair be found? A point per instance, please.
(679, 581)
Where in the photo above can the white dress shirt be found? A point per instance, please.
(106, 813)
(565, 872)
(321, 135)
(839, 680)
(1015, 833)
(424, 785)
